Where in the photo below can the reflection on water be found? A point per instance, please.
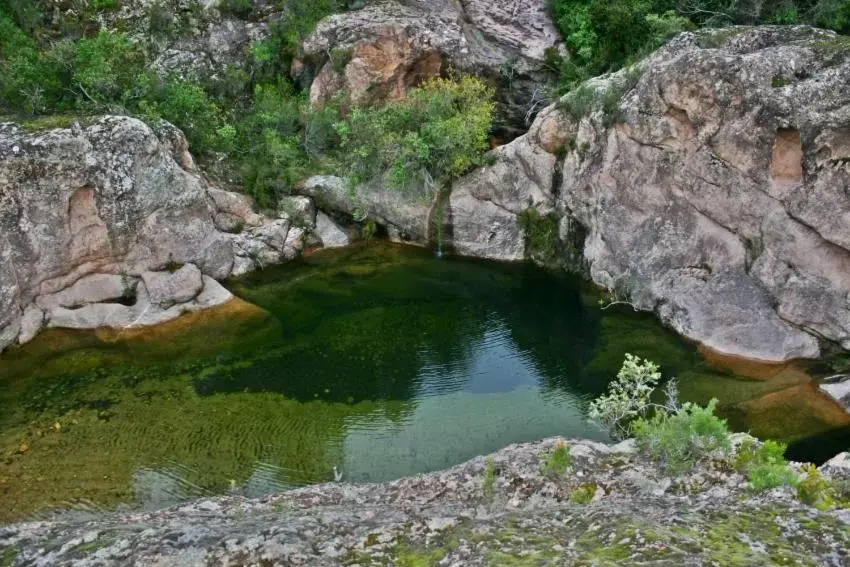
(380, 361)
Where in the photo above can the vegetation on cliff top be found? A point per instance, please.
(256, 118)
(605, 35)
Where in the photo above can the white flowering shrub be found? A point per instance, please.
(628, 396)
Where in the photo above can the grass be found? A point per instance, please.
(488, 487)
(556, 462)
(584, 494)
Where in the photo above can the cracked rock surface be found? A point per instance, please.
(634, 514)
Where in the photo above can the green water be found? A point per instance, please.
(381, 361)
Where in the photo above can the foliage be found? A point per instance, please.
(556, 462)
(764, 466)
(584, 494)
(815, 490)
(488, 486)
(628, 396)
(273, 56)
(439, 132)
(188, 106)
(604, 35)
(540, 233)
(106, 67)
(271, 137)
(681, 440)
(105, 4)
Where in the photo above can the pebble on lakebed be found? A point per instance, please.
(636, 514)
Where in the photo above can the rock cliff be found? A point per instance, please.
(709, 183)
(112, 225)
(378, 52)
(609, 507)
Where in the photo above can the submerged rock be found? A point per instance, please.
(838, 388)
(609, 506)
(91, 218)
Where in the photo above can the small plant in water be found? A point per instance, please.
(488, 487)
(556, 462)
(584, 494)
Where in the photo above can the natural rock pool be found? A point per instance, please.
(378, 360)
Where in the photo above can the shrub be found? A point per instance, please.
(683, 439)
(628, 396)
(815, 490)
(556, 462)
(584, 494)
(186, 105)
(106, 66)
(439, 132)
(764, 466)
(29, 82)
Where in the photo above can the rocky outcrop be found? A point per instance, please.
(714, 195)
(709, 184)
(112, 225)
(608, 506)
(380, 51)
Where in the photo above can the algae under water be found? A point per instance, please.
(378, 360)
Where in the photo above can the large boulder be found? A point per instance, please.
(718, 193)
(91, 218)
(380, 51)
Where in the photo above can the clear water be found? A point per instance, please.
(381, 361)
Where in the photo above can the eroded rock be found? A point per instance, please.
(386, 48)
(91, 217)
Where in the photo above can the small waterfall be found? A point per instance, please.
(439, 224)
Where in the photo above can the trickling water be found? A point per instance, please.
(379, 361)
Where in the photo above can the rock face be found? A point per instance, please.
(719, 197)
(378, 52)
(609, 506)
(112, 225)
(714, 191)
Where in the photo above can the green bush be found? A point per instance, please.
(439, 132)
(187, 105)
(556, 462)
(584, 494)
(815, 490)
(270, 139)
(105, 4)
(681, 440)
(273, 56)
(29, 82)
(107, 66)
(764, 466)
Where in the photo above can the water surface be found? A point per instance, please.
(380, 361)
